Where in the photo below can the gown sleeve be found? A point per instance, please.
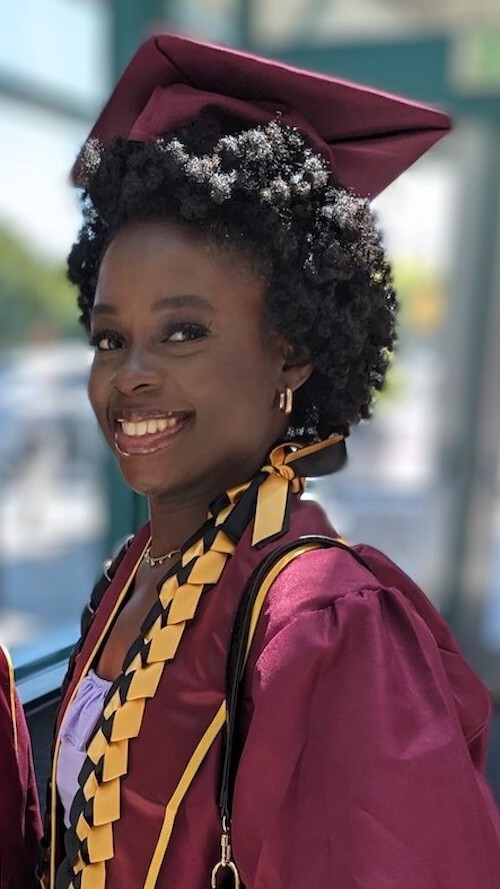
(355, 772)
(30, 816)
(20, 822)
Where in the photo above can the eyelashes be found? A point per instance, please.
(174, 333)
(106, 340)
(184, 332)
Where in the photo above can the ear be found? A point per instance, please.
(297, 366)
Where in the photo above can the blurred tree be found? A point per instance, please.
(421, 293)
(36, 300)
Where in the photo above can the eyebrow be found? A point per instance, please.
(192, 300)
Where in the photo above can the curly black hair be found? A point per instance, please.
(267, 194)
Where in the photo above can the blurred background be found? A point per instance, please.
(423, 479)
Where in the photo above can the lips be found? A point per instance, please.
(137, 432)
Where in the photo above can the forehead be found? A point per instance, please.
(164, 259)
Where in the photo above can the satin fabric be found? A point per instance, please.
(81, 718)
(367, 137)
(367, 734)
(20, 823)
(363, 735)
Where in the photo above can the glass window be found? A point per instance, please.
(210, 20)
(398, 492)
(298, 21)
(56, 47)
(391, 493)
(53, 514)
(490, 623)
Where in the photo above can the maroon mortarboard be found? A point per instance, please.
(369, 137)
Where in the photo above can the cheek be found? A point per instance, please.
(239, 383)
(237, 368)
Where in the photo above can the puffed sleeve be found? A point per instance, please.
(20, 823)
(30, 815)
(355, 772)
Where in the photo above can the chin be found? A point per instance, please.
(145, 487)
(145, 483)
(153, 481)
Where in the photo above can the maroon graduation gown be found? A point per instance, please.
(365, 734)
(20, 824)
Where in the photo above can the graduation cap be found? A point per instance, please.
(368, 137)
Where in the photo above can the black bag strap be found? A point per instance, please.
(238, 649)
(225, 874)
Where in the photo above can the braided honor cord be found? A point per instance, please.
(96, 807)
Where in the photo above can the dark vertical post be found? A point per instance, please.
(474, 292)
(130, 22)
(244, 24)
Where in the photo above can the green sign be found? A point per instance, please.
(475, 61)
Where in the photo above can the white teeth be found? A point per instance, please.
(148, 427)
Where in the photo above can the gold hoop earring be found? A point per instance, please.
(286, 401)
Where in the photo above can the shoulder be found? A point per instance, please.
(328, 610)
(350, 588)
(334, 595)
(312, 601)
(8, 697)
(5, 661)
(6, 671)
(319, 579)
(346, 578)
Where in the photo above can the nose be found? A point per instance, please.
(137, 370)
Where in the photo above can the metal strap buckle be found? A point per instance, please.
(226, 862)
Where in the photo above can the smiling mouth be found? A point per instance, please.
(148, 434)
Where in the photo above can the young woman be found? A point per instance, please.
(232, 282)
(20, 824)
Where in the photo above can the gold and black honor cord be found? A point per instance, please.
(88, 842)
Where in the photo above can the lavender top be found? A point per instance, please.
(80, 719)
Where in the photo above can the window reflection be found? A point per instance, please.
(490, 624)
(392, 495)
(52, 511)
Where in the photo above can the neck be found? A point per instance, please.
(175, 518)
(170, 528)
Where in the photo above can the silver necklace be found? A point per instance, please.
(158, 560)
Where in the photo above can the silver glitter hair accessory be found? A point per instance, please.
(258, 161)
(249, 158)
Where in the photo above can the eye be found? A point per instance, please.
(106, 340)
(184, 332)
